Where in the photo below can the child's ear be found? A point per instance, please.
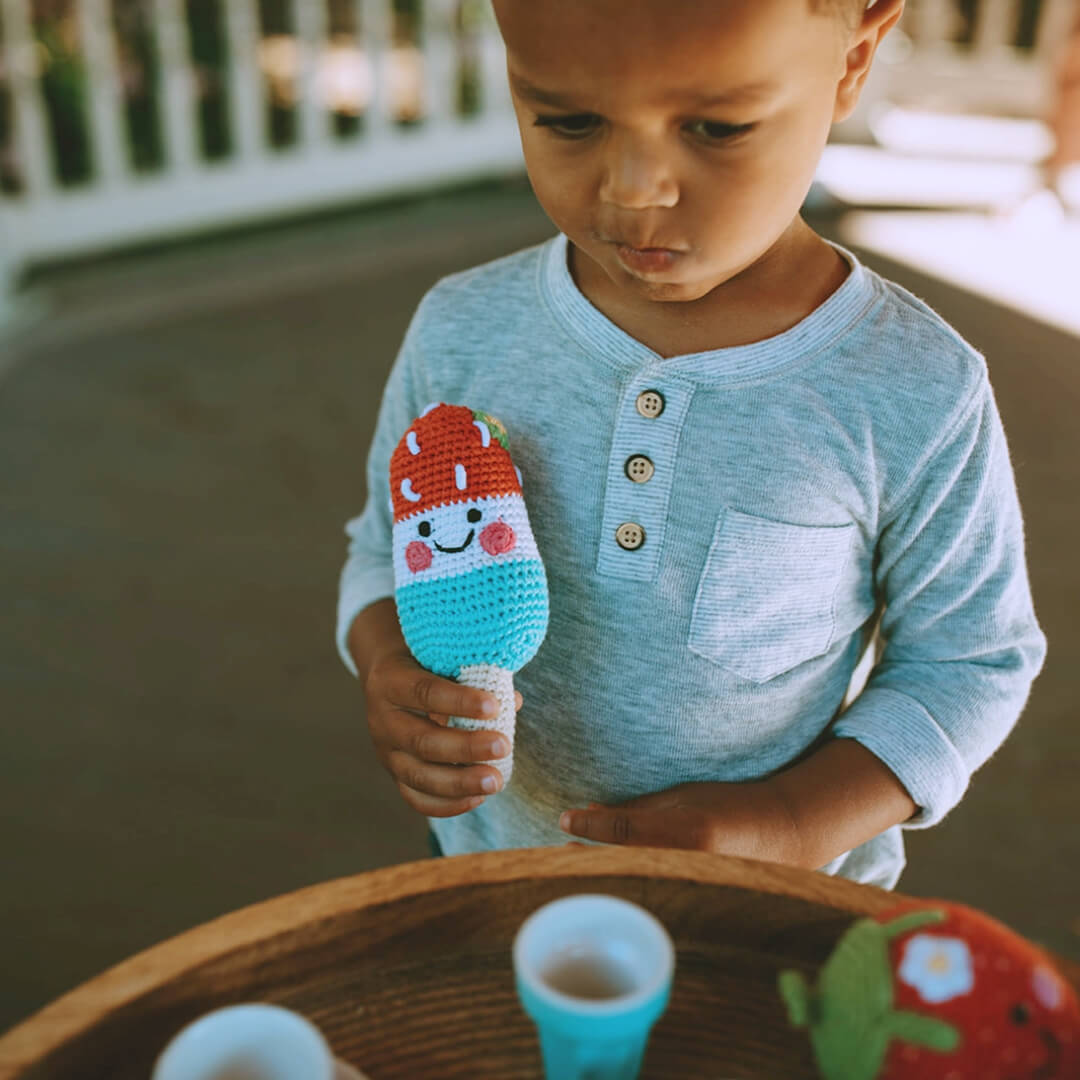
(877, 20)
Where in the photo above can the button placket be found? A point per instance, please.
(640, 473)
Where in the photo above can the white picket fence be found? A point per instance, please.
(988, 71)
(117, 206)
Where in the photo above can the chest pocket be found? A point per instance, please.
(767, 596)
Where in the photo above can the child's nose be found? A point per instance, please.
(637, 175)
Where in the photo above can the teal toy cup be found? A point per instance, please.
(594, 973)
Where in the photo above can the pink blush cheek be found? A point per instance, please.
(417, 556)
(498, 538)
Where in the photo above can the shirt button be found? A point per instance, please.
(650, 403)
(630, 536)
(639, 468)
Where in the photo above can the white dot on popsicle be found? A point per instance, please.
(407, 491)
(460, 477)
(433, 405)
(485, 434)
(412, 444)
(517, 473)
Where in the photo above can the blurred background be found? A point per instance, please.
(216, 218)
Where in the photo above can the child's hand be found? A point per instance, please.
(408, 709)
(750, 819)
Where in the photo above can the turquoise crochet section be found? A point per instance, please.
(495, 615)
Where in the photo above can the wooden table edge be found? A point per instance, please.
(69, 1015)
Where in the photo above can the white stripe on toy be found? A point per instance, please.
(411, 443)
(485, 434)
(407, 491)
(460, 479)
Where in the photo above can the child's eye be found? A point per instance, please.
(569, 127)
(715, 131)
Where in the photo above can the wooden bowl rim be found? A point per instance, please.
(72, 1014)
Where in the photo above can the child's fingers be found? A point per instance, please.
(616, 827)
(444, 719)
(431, 694)
(444, 745)
(443, 781)
(434, 806)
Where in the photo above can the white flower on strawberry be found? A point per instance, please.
(940, 968)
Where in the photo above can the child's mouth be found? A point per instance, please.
(646, 260)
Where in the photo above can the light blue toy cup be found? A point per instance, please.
(263, 1042)
(594, 973)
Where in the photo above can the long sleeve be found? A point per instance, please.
(962, 644)
(368, 574)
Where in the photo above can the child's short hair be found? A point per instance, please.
(848, 10)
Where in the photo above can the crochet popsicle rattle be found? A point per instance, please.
(471, 591)
(932, 990)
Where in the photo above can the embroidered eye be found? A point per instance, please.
(1019, 1014)
(424, 528)
(474, 515)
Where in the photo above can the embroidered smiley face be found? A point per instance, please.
(442, 531)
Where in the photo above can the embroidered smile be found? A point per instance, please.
(454, 551)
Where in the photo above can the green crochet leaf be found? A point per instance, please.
(850, 1013)
(855, 985)
(797, 996)
(911, 920)
(495, 427)
(924, 1031)
(848, 1054)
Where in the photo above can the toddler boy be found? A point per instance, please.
(741, 449)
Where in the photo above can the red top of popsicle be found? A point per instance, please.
(450, 454)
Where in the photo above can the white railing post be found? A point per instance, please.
(107, 138)
(1056, 21)
(177, 85)
(32, 145)
(8, 274)
(312, 31)
(932, 23)
(995, 27)
(373, 21)
(437, 43)
(493, 83)
(247, 95)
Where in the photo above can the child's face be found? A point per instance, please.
(688, 126)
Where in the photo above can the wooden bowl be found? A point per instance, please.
(407, 970)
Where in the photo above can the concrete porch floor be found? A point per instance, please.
(181, 441)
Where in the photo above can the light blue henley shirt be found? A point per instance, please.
(851, 467)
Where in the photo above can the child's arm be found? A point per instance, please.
(962, 644)
(962, 648)
(839, 797)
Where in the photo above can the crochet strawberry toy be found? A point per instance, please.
(932, 990)
(470, 588)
